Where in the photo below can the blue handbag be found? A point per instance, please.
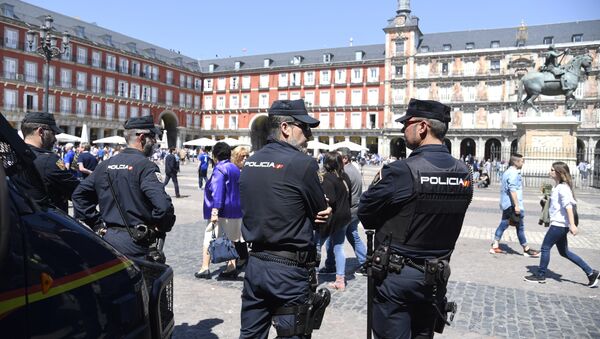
(221, 249)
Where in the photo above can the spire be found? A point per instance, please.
(403, 7)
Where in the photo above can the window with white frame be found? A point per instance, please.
(470, 68)
(30, 102)
(494, 92)
(188, 120)
(340, 97)
(234, 102)
(494, 120)
(208, 102)
(221, 83)
(282, 96)
(373, 75)
(65, 78)
(468, 120)
(135, 92)
(373, 121)
(445, 93)
(68, 54)
(169, 97)
(399, 71)
(357, 75)
(220, 102)
(135, 68)
(324, 119)
(51, 103)
(81, 55)
(10, 99)
(309, 78)
(340, 120)
(245, 100)
(208, 85)
(324, 99)
(155, 73)
(309, 98)
(295, 79)
(145, 111)
(123, 65)
(422, 70)
(577, 38)
(146, 94)
(295, 96)
(188, 100)
(355, 120)
(246, 82)
(423, 93)
(10, 68)
(170, 77)
(263, 100)
(52, 75)
(356, 98)
(220, 122)
(154, 95)
(327, 57)
(122, 112)
(11, 38)
(82, 81)
(31, 71)
(495, 65)
(196, 121)
(469, 92)
(264, 81)
(96, 58)
(96, 83)
(181, 99)
(283, 80)
(109, 109)
(81, 107)
(190, 81)
(96, 109)
(233, 122)
(266, 62)
(65, 105)
(196, 102)
(325, 77)
(182, 80)
(234, 82)
(111, 62)
(134, 112)
(358, 55)
(147, 71)
(373, 97)
(548, 40)
(340, 76)
(207, 123)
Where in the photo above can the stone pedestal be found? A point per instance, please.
(544, 140)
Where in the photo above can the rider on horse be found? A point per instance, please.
(553, 66)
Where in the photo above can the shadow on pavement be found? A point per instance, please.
(553, 275)
(508, 250)
(203, 329)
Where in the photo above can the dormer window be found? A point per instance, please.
(8, 10)
(132, 47)
(495, 44)
(238, 65)
(79, 31)
(470, 45)
(211, 68)
(151, 52)
(107, 40)
(447, 47)
(424, 49)
(327, 57)
(358, 55)
(296, 60)
(267, 62)
(577, 38)
(549, 40)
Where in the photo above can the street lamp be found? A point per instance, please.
(48, 49)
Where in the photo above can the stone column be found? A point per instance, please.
(455, 147)
(480, 149)
(363, 141)
(331, 141)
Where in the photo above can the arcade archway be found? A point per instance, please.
(398, 148)
(448, 144)
(169, 123)
(467, 147)
(493, 149)
(259, 131)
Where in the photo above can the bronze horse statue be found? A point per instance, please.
(536, 83)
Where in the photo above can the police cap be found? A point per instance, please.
(428, 109)
(145, 122)
(42, 118)
(294, 109)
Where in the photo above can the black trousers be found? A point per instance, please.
(267, 286)
(175, 182)
(120, 239)
(402, 306)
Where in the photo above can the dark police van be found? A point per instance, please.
(58, 279)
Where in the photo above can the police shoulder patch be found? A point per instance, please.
(159, 176)
(60, 164)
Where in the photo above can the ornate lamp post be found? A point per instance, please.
(48, 49)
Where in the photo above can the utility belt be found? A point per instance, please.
(306, 259)
(145, 236)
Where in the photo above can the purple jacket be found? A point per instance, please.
(222, 191)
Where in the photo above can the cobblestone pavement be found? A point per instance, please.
(493, 299)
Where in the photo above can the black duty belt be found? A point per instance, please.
(295, 259)
(116, 226)
(397, 259)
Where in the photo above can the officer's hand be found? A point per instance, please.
(323, 216)
(214, 218)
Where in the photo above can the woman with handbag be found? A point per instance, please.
(222, 208)
(562, 221)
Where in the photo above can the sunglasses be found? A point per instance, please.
(304, 127)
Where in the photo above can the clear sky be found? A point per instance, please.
(204, 29)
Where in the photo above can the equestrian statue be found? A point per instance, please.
(554, 79)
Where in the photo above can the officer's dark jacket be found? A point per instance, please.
(171, 164)
(281, 195)
(60, 183)
(421, 201)
(138, 189)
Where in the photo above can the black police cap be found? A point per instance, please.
(145, 122)
(428, 109)
(42, 118)
(294, 109)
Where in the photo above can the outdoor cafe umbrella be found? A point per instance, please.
(315, 144)
(64, 137)
(115, 139)
(200, 142)
(232, 142)
(348, 144)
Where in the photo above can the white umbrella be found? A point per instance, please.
(315, 144)
(200, 142)
(85, 133)
(348, 144)
(232, 142)
(115, 139)
(64, 137)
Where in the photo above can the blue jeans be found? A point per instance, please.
(504, 225)
(360, 250)
(558, 236)
(337, 238)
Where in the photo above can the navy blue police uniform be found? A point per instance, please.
(281, 195)
(417, 207)
(139, 190)
(58, 181)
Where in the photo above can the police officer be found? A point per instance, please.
(417, 207)
(282, 203)
(138, 193)
(39, 131)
